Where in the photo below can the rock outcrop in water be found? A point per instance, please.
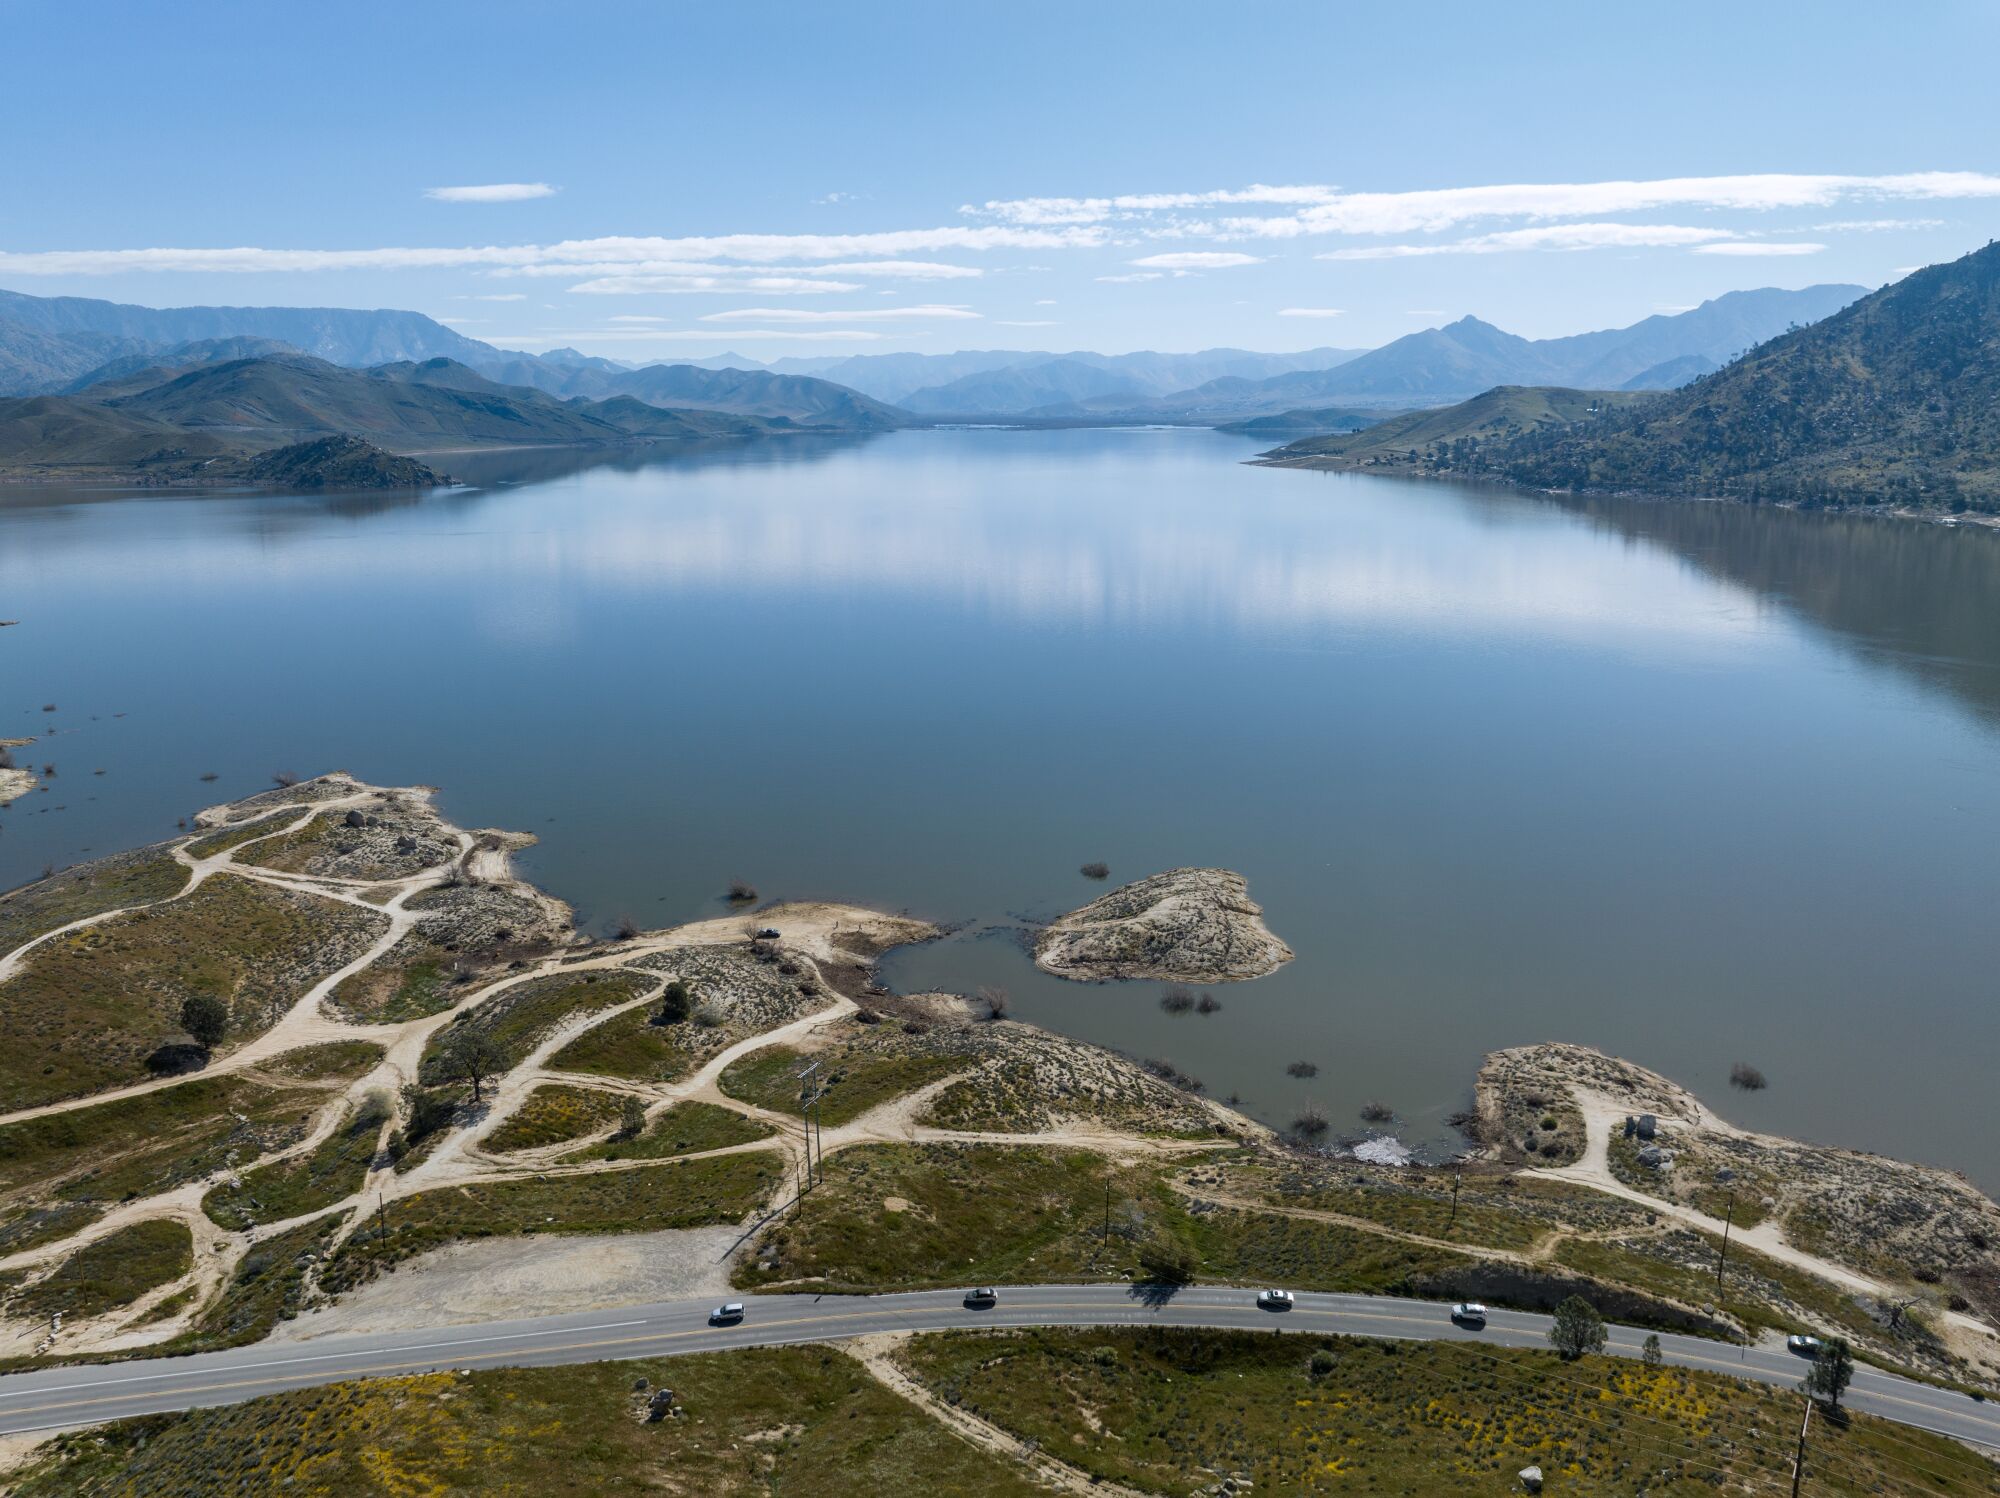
(1183, 926)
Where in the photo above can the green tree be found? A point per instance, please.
(1166, 1259)
(1650, 1354)
(206, 1018)
(471, 1053)
(1832, 1371)
(676, 1003)
(424, 1113)
(1577, 1329)
(632, 1120)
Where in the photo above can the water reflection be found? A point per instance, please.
(1499, 770)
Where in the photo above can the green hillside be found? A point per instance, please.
(1895, 400)
(1448, 435)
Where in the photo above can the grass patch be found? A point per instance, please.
(394, 989)
(854, 1081)
(266, 1288)
(140, 1145)
(693, 1194)
(1408, 1203)
(331, 1172)
(234, 837)
(114, 1271)
(1169, 1410)
(684, 1129)
(332, 1061)
(24, 1228)
(969, 1214)
(1264, 1248)
(755, 1422)
(520, 1016)
(89, 1006)
(631, 1046)
(91, 889)
(552, 1114)
(1758, 1291)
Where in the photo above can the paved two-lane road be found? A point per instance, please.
(57, 1397)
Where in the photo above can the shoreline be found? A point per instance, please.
(1976, 519)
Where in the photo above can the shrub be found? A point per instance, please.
(1096, 871)
(1311, 1122)
(285, 778)
(1746, 1077)
(993, 1000)
(632, 1118)
(205, 1018)
(1302, 1070)
(1321, 1364)
(1377, 1112)
(1177, 1000)
(741, 893)
(675, 1004)
(1208, 1003)
(1577, 1329)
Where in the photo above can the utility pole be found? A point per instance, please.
(1456, 1178)
(808, 1104)
(1728, 1222)
(1799, 1462)
(1107, 1211)
(381, 1218)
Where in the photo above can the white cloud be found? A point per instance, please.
(1876, 225)
(681, 285)
(1312, 312)
(566, 257)
(458, 322)
(1181, 260)
(1044, 322)
(1674, 309)
(491, 192)
(1047, 301)
(637, 317)
(498, 296)
(1596, 236)
(1757, 247)
(705, 335)
(1138, 205)
(872, 314)
(1137, 275)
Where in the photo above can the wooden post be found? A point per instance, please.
(1456, 1177)
(1799, 1462)
(1727, 1225)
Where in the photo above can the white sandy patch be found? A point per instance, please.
(501, 1279)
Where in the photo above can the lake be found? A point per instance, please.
(1692, 783)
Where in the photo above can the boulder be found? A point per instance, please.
(1648, 1126)
(1531, 1479)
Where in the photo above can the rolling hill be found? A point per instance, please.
(1431, 437)
(1894, 400)
(159, 417)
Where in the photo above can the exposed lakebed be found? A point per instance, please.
(1694, 784)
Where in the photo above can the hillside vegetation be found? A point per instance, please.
(1453, 433)
(1895, 400)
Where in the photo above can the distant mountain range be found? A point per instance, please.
(1893, 400)
(950, 384)
(163, 419)
(57, 345)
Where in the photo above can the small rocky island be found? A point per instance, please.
(1183, 926)
(338, 463)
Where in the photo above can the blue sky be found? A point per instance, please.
(863, 178)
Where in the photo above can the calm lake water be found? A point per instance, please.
(1691, 783)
